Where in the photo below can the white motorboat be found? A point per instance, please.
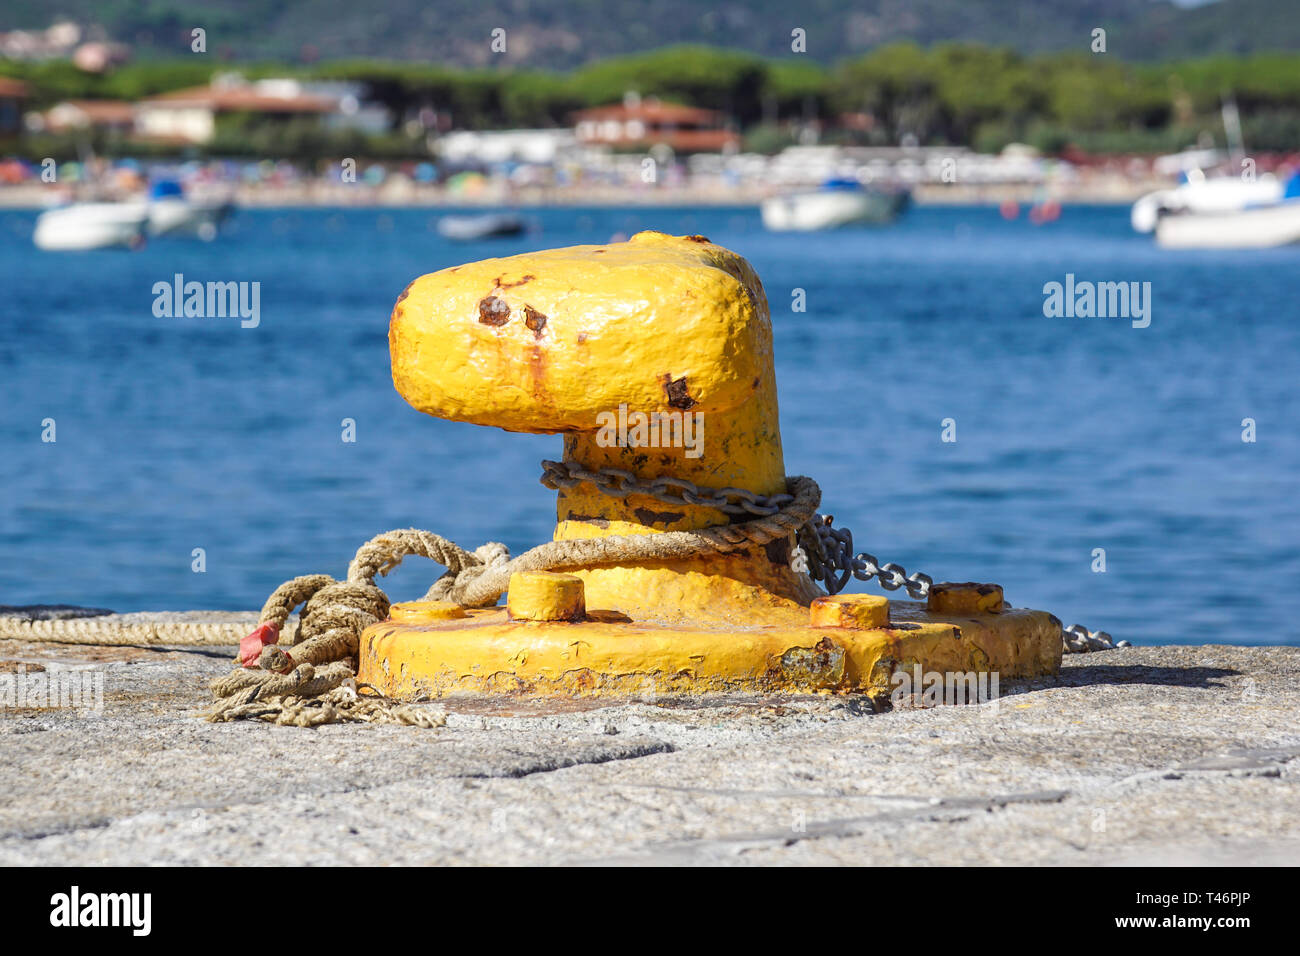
(1258, 227)
(838, 203)
(1202, 194)
(486, 226)
(91, 225)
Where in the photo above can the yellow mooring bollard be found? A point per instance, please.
(652, 357)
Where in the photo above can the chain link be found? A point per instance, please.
(618, 483)
(824, 552)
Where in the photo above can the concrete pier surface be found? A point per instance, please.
(1164, 755)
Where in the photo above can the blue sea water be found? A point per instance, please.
(1072, 434)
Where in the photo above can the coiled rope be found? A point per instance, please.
(313, 680)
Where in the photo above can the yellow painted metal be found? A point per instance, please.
(424, 612)
(561, 341)
(850, 610)
(552, 341)
(546, 596)
(606, 655)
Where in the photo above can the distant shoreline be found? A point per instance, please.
(38, 196)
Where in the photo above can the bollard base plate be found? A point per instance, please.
(606, 654)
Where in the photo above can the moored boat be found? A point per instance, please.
(1202, 194)
(486, 226)
(1254, 226)
(838, 203)
(91, 225)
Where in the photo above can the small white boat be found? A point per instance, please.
(486, 226)
(1257, 226)
(91, 225)
(1202, 194)
(838, 203)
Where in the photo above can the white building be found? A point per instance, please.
(517, 145)
(191, 115)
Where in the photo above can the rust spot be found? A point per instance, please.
(696, 238)
(493, 311)
(650, 518)
(405, 292)
(534, 320)
(510, 285)
(678, 397)
(975, 586)
(609, 617)
(13, 667)
(582, 338)
(588, 519)
(821, 665)
(598, 252)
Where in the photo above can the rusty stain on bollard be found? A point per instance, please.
(861, 611)
(965, 598)
(820, 667)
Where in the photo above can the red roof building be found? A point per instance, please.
(685, 129)
(190, 115)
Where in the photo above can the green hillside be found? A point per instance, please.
(561, 34)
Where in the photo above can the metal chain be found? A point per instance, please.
(618, 483)
(831, 561)
(824, 552)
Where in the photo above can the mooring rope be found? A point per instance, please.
(116, 633)
(313, 681)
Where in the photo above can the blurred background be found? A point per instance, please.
(905, 177)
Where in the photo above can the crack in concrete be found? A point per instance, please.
(632, 750)
(58, 830)
(771, 794)
(937, 810)
(1237, 762)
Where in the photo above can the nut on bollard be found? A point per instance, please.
(859, 611)
(546, 596)
(425, 612)
(965, 598)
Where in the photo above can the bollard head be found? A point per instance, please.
(546, 341)
(671, 329)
